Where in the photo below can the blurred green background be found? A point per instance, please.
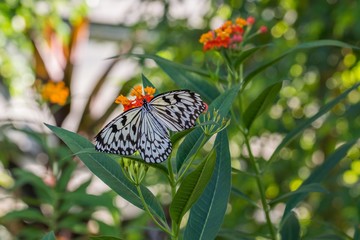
(71, 41)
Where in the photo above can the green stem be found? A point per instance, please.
(261, 190)
(174, 226)
(161, 226)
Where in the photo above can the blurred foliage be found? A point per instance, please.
(311, 79)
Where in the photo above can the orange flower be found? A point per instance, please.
(55, 92)
(150, 91)
(229, 34)
(122, 100)
(137, 91)
(241, 22)
(138, 101)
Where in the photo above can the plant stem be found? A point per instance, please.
(174, 226)
(261, 190)
(162, 227)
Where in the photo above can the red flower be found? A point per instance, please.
(228, 35)
(263, 29)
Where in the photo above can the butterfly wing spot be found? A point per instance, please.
(116, 138)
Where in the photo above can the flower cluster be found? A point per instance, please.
(55, 92)
(137, 92)
(229, 34)
(134, 170)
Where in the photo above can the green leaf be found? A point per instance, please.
(180, 74)
(207, 214)
(191, 188)
(179, 66)
(235, 234)
(357, 232)
(49, 236)
(305, 124)
(176, 137)
(312, 187)
(67, 170)
(44, 193)
(105, 238)
(246, 53)
(196, 139)
(318, 175)
(290, 228)
(224, 102)
(28, 214)
(192, 142)
(314, 44)
(244, 196)
(146, 82)
(108, 170)
(261, 103)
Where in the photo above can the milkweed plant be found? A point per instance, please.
(199, 170)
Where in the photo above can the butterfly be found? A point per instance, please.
(146, 128)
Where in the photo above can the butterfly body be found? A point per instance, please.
(146, 128)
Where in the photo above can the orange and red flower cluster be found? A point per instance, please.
(229, 34)
(137, 92)
(55, 92)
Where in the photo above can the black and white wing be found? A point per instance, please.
(154, 144)
(120, 136)
(177, 110)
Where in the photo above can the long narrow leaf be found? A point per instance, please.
(191, 188)
(318, 175)
(299, 129)
(247, 53)
(312, 187)
(193, 141)
(182, 76)
(108, 170)
(320, 43)
(146, 82)
(244, 196)
(49, 236)
(291, 228)
(261, 103)
(207, 214)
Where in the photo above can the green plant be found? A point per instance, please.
(202, 186)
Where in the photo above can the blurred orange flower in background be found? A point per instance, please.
(55, 92)
(229, 34)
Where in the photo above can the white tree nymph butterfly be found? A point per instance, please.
(145, 127)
